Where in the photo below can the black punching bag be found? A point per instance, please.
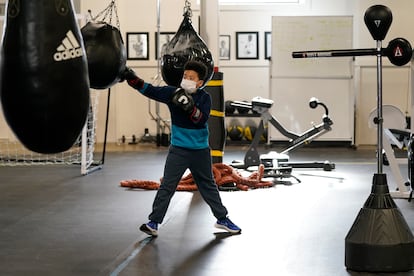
(184, 46)
(106, 54)
(44, 74)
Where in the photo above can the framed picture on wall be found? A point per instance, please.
(224, 50)
(268, 45)
(165, 37)
(247, 45)
(137, 46)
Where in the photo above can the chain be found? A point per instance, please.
(107, 13)
(116, 15)
(187, 9)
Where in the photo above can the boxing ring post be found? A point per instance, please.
(380, 239)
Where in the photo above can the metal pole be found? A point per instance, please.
(379, 108)
(108, 104)
(157, 104)
(158, 36)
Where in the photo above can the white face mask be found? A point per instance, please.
(189, 85)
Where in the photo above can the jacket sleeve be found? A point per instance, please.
(201, 111)
(158, 93)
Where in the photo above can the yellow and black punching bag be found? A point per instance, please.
(216, 125)
(44, 74)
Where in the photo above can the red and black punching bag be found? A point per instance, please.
(184, 46)
(44, 75)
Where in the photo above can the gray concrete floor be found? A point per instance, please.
(53, 221)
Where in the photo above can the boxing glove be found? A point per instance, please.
(183, 100)
(132, 79)
(196, 114)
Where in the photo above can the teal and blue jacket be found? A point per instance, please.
(186, 132)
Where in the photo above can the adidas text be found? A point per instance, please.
(68, 54)
(69, 48)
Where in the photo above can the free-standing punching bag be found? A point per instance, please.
(184, 46)
(380, 240)
(44, 75)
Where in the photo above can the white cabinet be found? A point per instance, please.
(395, 91)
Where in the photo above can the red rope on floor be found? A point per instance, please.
(223, 174)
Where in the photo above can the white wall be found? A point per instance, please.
(130, 112)
(243, 79)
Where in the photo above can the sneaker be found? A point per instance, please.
(150, 228)
(227, 225)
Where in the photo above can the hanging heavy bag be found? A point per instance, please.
(44, 76)
(184, 46)
(105, 50)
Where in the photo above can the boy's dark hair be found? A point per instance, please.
(198, 67)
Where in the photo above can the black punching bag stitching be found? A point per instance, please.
(13, 8)
(62, 7)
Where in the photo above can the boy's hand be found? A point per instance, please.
(183, 100)
(131, 77)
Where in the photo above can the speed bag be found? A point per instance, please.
(106, 54)
(184, 46)
(44, 75)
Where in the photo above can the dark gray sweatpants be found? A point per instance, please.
(199, 164)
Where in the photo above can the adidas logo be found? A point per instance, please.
(69, 48)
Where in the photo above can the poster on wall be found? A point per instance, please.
(224, 43)
(268, 45)
(137, 46)
(165, 38)
(247, 45)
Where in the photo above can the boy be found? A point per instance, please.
(190, 109)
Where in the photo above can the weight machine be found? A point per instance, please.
(277, 165)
